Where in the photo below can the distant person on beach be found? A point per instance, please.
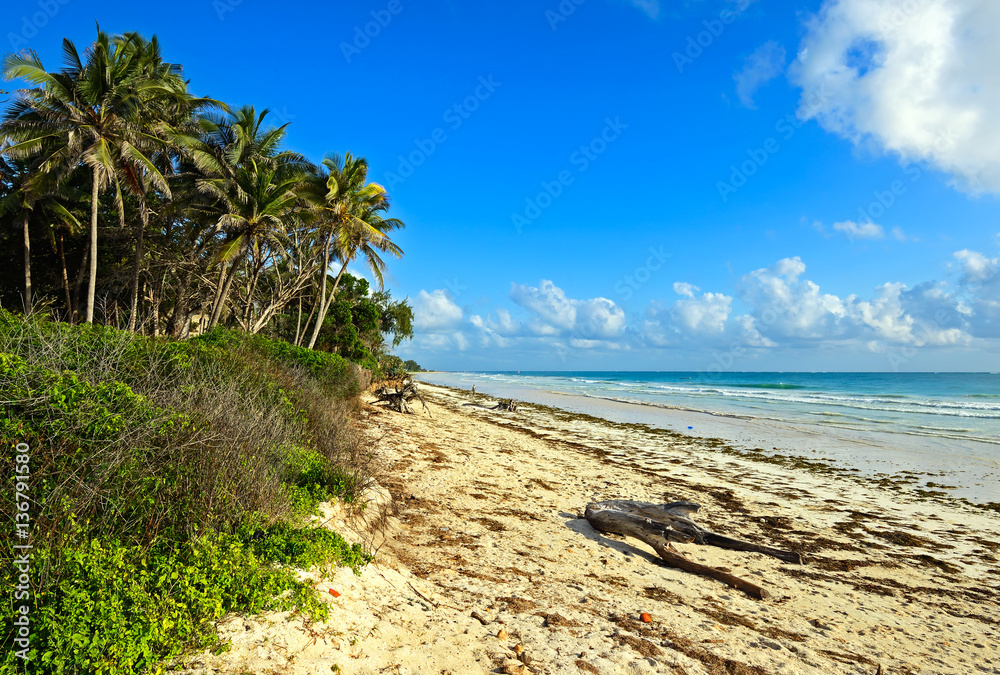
(473, 390)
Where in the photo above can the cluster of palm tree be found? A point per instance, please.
(174, 208)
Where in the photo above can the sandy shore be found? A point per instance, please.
(484, 556)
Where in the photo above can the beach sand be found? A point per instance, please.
(480, 512)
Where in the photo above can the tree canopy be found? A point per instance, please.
(126, 200)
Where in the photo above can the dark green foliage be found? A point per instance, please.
(154, 464)
(331, 370)
(412, 366)
(198, 214)
(360, 322)
(393, 367)
(126, 609)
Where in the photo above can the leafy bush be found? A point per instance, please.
(168, 477)
(127, 609)
(330, 370)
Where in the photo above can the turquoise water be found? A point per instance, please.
(934, 423)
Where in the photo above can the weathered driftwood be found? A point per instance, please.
(508, 405)
(658, 525)
(398, 398)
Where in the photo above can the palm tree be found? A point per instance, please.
(353, 225)
(96, 114)
(234, 152)
(27, 197)
(16, 196)
(256, 201)
(167, 112)
(230, 140)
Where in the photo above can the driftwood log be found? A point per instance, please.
(660, 524)
(509, 405)
(398, 397)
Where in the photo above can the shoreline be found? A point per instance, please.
(484, 519)
(919, 466)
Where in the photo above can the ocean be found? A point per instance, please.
(941, 427)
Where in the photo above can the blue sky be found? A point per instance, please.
(634, 184)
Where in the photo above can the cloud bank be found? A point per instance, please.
(916, 78)
(767, 309)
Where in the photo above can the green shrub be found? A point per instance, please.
(127, 609)
(332, 371)
(167, 480)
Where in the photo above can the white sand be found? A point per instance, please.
(485, 521)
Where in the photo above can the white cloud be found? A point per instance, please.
(686, 289)
(976, 267)
(915, 78)
(790, 310)
(705, 314)
(556, 315)
(772, 307)
(855, 230)
(435, 312)
(650, 7)
(766, 63)
(981, 282)
(703, 320)
(599, 318)
(925, 315)
(786, 307)
(503, 326)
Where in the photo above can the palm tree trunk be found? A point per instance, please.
(336, 282)
(65, 279)
(157, 291)
(251, 289)
(137, 263)
(27, 263)
(298, 322)
(322, 294)
(224, 295)
(308, 319)
(326, 306)
(217, 304)
(180, 317)
(79, 282)
(92, 282)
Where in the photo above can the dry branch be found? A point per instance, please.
(398, 398)
(658, 525)
(508, 405)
